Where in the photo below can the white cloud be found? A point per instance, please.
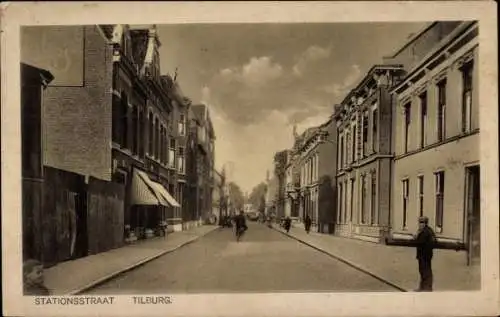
(261, 70)
(340, 89)
(256, 73)
(312, 54)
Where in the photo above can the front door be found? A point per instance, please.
(473, 208)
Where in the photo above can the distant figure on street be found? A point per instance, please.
(308, 223)
(425, 241)
(288, 224)
(33, 279)
(240, 224)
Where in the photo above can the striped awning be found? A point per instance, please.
(147, 192)
(163, 192)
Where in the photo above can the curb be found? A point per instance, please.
(136, 265)
(349, 263)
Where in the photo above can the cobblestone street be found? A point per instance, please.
(264, 261)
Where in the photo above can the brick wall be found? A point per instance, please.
(77, 120)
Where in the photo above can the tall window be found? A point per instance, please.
(441, 124)
(439, 177)
(341, 154)
(117, 120)
(352, 199)
(150, 134)
(354, 143)
(421, 195)
(171, 153)
(365, 133)
(363, 199)
(423, 118)
(157, 138)
(345, 203)
(373, 201)
(125, 113)
(165, 147)
(181, 161)
(374, 129)
(182, 124)
(407, 115)
(340, 204)
(162, 144)
(467, 96)
(406, 201)
(348, 147)
(142, 133)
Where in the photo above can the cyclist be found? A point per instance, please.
(240, 224)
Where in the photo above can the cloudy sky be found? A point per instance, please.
(261, 79)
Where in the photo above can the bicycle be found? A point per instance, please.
(239, 233)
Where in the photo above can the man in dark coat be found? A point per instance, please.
(425, 241)
(308, 223)
(288, 224)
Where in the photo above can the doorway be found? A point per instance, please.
(473, 215)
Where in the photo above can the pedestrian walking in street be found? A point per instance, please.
(288, 224)
(308, 223)
(425, 241)
(33, 279)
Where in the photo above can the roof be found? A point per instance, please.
(199, 111)
(368, 77)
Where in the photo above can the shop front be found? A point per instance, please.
(150, 202)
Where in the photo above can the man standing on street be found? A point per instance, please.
(425, 241)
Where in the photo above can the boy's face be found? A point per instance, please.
(421, 225)
(36, 275)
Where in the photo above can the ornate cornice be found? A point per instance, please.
(464, 59)
(440, 76)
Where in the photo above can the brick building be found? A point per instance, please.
(436, 136)
(109, 114)
(200, 155)
(364, 120)
(77, 105)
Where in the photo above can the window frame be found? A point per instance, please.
(441, 109)
(406, 202)
(407, 126)
(423, 99)
(439, 179)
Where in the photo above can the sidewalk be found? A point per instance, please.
(393, 264)
(73, 277)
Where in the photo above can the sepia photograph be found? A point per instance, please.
(158, 160)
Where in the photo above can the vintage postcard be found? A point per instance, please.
(246, 159)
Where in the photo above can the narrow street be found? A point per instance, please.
(264, 261)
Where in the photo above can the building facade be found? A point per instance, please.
(327, 171)
(108, 114)
(280, 163)
(308, 158)
(436, 140)
(364, 120)
(201, 140)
